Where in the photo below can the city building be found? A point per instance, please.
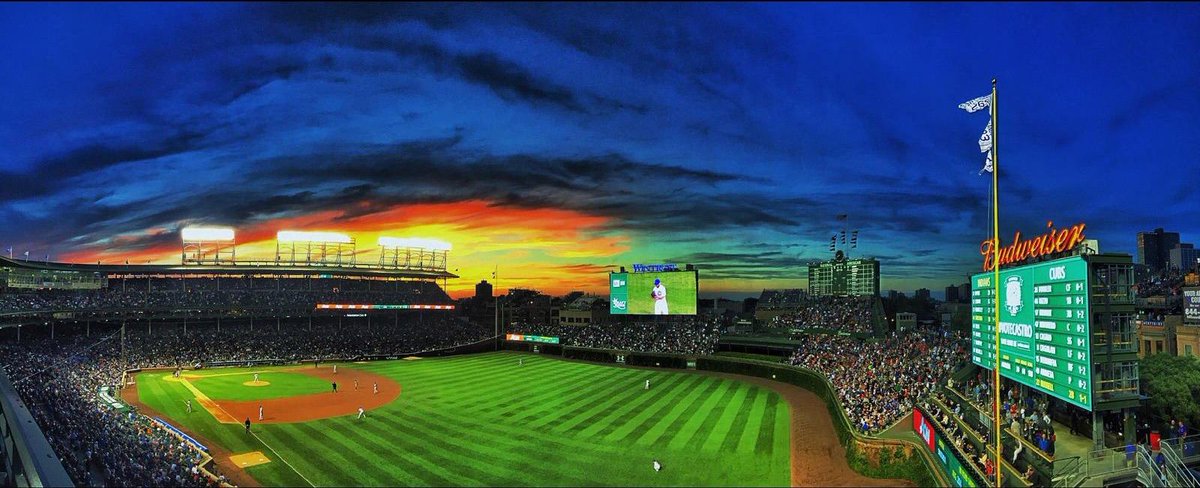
(583, 310)
(922, 294)
(1153, 248)
(964, 293)
(483, 289)
(951, 294)
(1183, 257)
(905, 321)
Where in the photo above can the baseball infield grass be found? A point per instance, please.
(224, 384)
(483, 420)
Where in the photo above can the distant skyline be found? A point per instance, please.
(560, 141)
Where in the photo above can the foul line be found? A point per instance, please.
(282, 459)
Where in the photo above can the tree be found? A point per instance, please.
(1173, 385)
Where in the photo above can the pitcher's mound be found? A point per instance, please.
(248, 459)
(256, 383)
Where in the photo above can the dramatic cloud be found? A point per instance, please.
(561, 141)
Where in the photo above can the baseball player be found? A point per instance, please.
(657, 466)
(189, 404)
(521, 362)
(659, 294)
(355, 384)
(256, 377)
(334, 386)
(335, 369)
(260, 412)
(247, 425)
(376, 386)
(647, 384)
(361, 413)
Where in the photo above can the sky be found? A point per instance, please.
(557, 142)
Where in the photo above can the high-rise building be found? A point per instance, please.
(951, 294)
(483, 289)
(1183, 257)
(964, 292)
(1153, 248)
(922, 294)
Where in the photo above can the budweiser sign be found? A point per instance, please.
(1052, 242)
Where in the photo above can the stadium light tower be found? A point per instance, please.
(208, 245)
(413, 253)
(314, 248)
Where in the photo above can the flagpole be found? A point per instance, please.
(996, 278)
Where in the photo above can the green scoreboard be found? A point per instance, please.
(1044, 329)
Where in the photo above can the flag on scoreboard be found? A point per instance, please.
(832, 242)
(854, 239)
(843, 237)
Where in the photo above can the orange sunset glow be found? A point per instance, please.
(539, 248)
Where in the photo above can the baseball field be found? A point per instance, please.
(481, 420)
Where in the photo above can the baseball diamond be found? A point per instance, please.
(483, 420)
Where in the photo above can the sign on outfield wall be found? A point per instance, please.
(1044, 327)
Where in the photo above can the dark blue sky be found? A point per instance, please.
(724, 134)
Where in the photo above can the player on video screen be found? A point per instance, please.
(659, 294)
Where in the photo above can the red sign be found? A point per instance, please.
(1052, 242)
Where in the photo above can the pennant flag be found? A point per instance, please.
(985, 139)
(977, 104)
(987, 165)
(843, 237)
(26, 253)
(854, 240)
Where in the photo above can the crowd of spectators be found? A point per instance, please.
(59, 380)
(880, 380)
(843, 314)
(192, 297)
(1025, 416)
(97, 445)
(1166, 283)
(681, 335)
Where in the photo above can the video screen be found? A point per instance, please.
(662, 293)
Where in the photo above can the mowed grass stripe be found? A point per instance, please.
(516, 432)
(534, 392)
(664, 400)
(313, 463)
(766, 430)
(713, 435)
(485, 381)
(334, 442)
(489, 448)
(408, 456)
(585, 394)
(436, 445)
(659, 432)
(734, 435)
(676, 385)
(750, 434)
(617, 406)
(700, 426)
(597, 399)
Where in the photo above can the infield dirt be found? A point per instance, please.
(315, 406)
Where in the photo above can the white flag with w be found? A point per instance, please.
(985, 140)
(977, 104)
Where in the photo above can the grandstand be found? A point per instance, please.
(799, 312)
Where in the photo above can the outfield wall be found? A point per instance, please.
(869, 456)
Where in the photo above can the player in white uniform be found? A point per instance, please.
(335, 369)
(660, 298)
(361, 413)
(189, 405)
(647, 384)
(376, 386)
(256, 377)
(260, 413)
(657, 466)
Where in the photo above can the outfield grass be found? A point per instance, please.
(482, 420)
(226, 384)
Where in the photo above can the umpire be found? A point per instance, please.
(247, 425)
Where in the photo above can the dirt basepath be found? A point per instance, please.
(236, 475)
(315, 406)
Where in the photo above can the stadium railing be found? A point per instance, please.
(28, 459)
